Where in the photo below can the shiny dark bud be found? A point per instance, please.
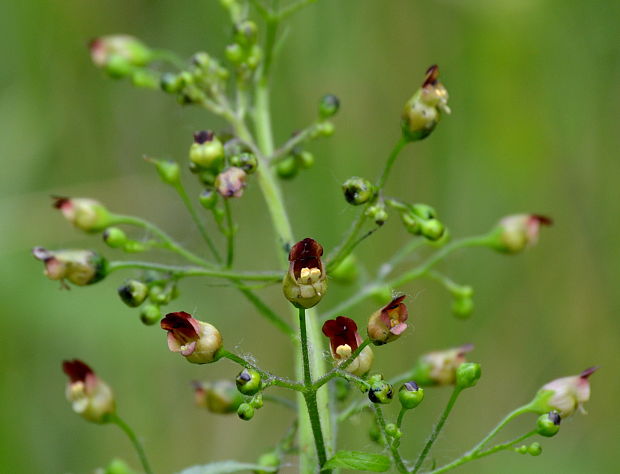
(328, 106)
(410, 395)
(548, 424)
(248, 382)
(380, 392)
(133, 293)
(245, 411)
(358, 190)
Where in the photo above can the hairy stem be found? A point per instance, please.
(118, 421)
(437, 429)
(340, 367)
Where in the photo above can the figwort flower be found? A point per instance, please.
(230, 183)
(220, 397)
(564, 395)
(80, 267)
(85, 214)
(119, 54)
(344, 340)
(423, 111)
(196, 340)
(90, 397)
(388, 323)
(440, 367)
(305, 283)
(516, 233)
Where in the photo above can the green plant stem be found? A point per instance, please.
(294, 8)
(344, 249)
(180, 189)
(396, 457)
(507, 419)
(118, 421)
(179, 271)
(400, 144)
(230, 235)
(401, 416)
(267, 312)
(310, 392)
(300, 137)
(167, 241)
(268, 377)
(340, 367)
(437, 429)
(471, 456)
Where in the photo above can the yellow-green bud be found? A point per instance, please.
(245, 411)
(548, 424)
(392, 430)
(248, 382)
(118, 466)
(358, 190)
(257, 401)
(80, 267)
(150, 314)
(410, 395)
(208, 198)
(168, 170)
(85, 214)
(133, 293)
(171, 83)
(380, 392)
(468, 374)
(235, 53)
(305, 159)
(220, 397)
(246, 33)
(432, 229)
(271, 459)
(119, 55)
(246, 161)
(207, 151)
(287, 168)
(534, 449)
(114, 237)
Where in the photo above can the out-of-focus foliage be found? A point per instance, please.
(535, 99)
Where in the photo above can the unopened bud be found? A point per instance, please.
(392, 430)
(468, 374)
(328, 106)
(171, 83)
(271, 459)
(207, 151)
(208, 198)
(219, 397)
(231, 183)
(85, 214)
(245, 411)
(305, 159)
(534, 449)
(432, 229)
(246, 33)
(564, 395)
(440, 367)
(380, 392)
(257, 401)
(462, 306)
(410, 395)
(323, 129)
(118, 466)
(119, 54)
(150, 314)
(234, 53)
(133, 293)
(169, 171)
(246, 161)
(80, 267)
(423, 111)
(358, 190)
(115, 237)
(287, 168)
(248, 382)
(548, 424)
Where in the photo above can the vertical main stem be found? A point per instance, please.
(118, 421)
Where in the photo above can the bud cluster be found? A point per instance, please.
(298, 159)
(419, 219)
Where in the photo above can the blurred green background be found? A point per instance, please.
(535, 99)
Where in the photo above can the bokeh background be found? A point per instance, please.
(534, 91)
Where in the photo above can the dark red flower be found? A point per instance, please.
(341, 331)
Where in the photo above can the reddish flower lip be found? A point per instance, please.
(182, 325)
(432, 73)
(544, 220)
(76, 370)
(306, 254)
(341, 331)
(589, 371)
(395, 305)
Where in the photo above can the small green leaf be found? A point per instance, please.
(224, 467)
(359, 461)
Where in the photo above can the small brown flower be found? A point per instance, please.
(195, 340)
(231, 182)
(90, 397)
(388, 323)
(344, 340)
(305, 283)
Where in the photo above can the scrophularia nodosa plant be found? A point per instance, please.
(237, 89)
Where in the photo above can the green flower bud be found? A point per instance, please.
(118, 466)
(358, 190)
(201, 59)
(145, 79)
(171, 83)
(90, 397)
(114, 237)
(287, 168)
(305, 283)
(424, 211)
(248, 382)
(160, 295)
(521, 449)
(515, 233)
(246, 161)
(378, 213)
(534, 449)
(168, 170)
(548, 424)
(133, 293)
(305, 159)
(207, 151)
(423, 111)
(323, 129)
(119, 54)
(328, 106)
(432, 229)
(255, 56)
(347, 271)
(467, 374)
(208, 198)
(270, 459)
(85, 214)
(219, 397)
(392, 430)
(207, 177)
(231, 182)
(380, 392)
(235, 53)
(150, 314)
(462, 306)
(246, 33)
(410, 395)
(257, 401)
(245, 411)
(375, 435)
(80, 267)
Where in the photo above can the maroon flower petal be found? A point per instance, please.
(432, 73)
(76, 370)
(589, 371)
(543, 220)
(396, 305)
(306, 254)
(341, 331)
(181, 324)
